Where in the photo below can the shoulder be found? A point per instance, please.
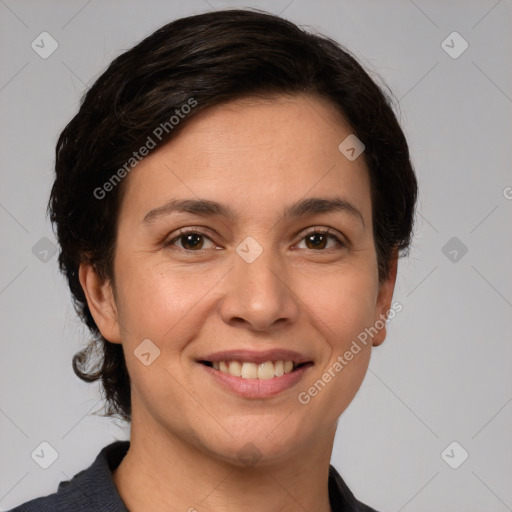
(90, 489)
(341, 497)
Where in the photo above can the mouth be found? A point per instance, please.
(266, 370)
(256, 373)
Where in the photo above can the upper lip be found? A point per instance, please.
(257, 356)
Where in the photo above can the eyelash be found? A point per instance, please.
(319, 231)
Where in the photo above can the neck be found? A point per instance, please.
(162, 471)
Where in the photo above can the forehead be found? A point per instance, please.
(252, 153)
(295, 126)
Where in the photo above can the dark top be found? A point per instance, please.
(93, 489)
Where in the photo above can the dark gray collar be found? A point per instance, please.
(93, 489)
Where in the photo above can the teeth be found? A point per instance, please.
(264, 371)
(250, 371)
(235, 369)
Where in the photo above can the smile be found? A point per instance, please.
(255, 380)
(248, 370)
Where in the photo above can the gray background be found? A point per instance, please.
(444, 372)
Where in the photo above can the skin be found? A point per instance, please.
(257, 156)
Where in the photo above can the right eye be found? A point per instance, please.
(190, 240)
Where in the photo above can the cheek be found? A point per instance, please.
(165, 306)
(343, 303)
(161, 303)
(343, 306)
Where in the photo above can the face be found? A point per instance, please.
(245, 241)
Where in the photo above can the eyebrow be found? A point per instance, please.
(207, 208)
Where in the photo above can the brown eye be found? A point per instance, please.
(319, 240)
(190, 241)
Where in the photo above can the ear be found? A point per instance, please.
(384, 298)
(101, 302)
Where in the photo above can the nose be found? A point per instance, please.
(259, 295)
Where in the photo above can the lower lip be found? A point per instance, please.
(256, 388)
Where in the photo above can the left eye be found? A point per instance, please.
(316, 240)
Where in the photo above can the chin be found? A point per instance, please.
(264, 445)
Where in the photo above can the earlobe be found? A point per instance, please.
(384, 299)
(101, 302)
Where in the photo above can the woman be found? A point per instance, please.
(230, 201)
